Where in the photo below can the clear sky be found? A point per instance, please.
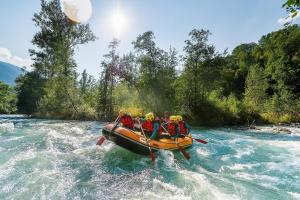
(231, 22)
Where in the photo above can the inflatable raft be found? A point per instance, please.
(136, 142)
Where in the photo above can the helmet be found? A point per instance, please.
(179, 118)
(149, 116)
(173, 118)
(122, 112)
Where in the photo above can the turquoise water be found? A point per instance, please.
(52, 159)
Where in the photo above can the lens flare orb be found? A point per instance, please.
(78, 11)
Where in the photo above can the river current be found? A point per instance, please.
(54, 159)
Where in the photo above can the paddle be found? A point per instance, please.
(116, 123)
(181, 149)
(201, 141)
(152, 155)
(102, 138)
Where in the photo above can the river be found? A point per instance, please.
(54, 159)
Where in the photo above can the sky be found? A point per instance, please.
(231, 22)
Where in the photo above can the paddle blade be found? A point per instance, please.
(152, 155)
(184, 152)
(100, 141)
(201, 141)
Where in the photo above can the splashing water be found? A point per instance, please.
(53, 159)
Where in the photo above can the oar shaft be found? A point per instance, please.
(151, 153)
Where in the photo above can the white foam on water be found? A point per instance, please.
(53, 134)
(168, 158)
(295, 131)
(8, 167)
(244, 152)
(277, 129)
(291, 145)
(82, 151)
(77, 130)
(166, 191)
(225, 158)
(13, 139)
(203, 152)
(261, 177)
(203, 188)
(7, 126)
(295, 195)
(239, 167)
(106, 147)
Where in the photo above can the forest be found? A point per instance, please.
(255, 82)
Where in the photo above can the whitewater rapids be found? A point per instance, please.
(54, 159)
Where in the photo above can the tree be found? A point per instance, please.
(292, 6)
(30, 89)
(201, 73)
(53, 59)
(256, 88)
(8, 99)
(110, 71)
(156, 73)
(235, 71)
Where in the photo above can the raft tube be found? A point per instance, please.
(136, 142)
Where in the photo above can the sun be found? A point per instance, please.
(118, 23)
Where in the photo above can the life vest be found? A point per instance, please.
(127, 121)
(172, 128)
(182, 128)
(148, 126)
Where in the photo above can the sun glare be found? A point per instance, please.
(118, 23)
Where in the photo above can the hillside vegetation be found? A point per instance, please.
(256, 81)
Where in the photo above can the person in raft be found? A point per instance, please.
(126, 120)
(173, 128)
(151, 126)
(184, 128)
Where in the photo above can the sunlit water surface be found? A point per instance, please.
(52, 159)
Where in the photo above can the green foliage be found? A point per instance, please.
(237, 68)
(30, 89)
(110, 71)
(273, 86)
(51, 89)
(126, 97)
(292, 6)
(256, 87)
(256, 81)
(156, 74)
(8, 99)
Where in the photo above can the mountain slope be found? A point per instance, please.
(9, 73)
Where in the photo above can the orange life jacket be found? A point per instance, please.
(182, 128)
(127, 121)
(148, 126)
(172, 129)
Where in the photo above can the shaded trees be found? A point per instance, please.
(8, 99)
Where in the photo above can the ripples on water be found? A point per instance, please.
(52, 159)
